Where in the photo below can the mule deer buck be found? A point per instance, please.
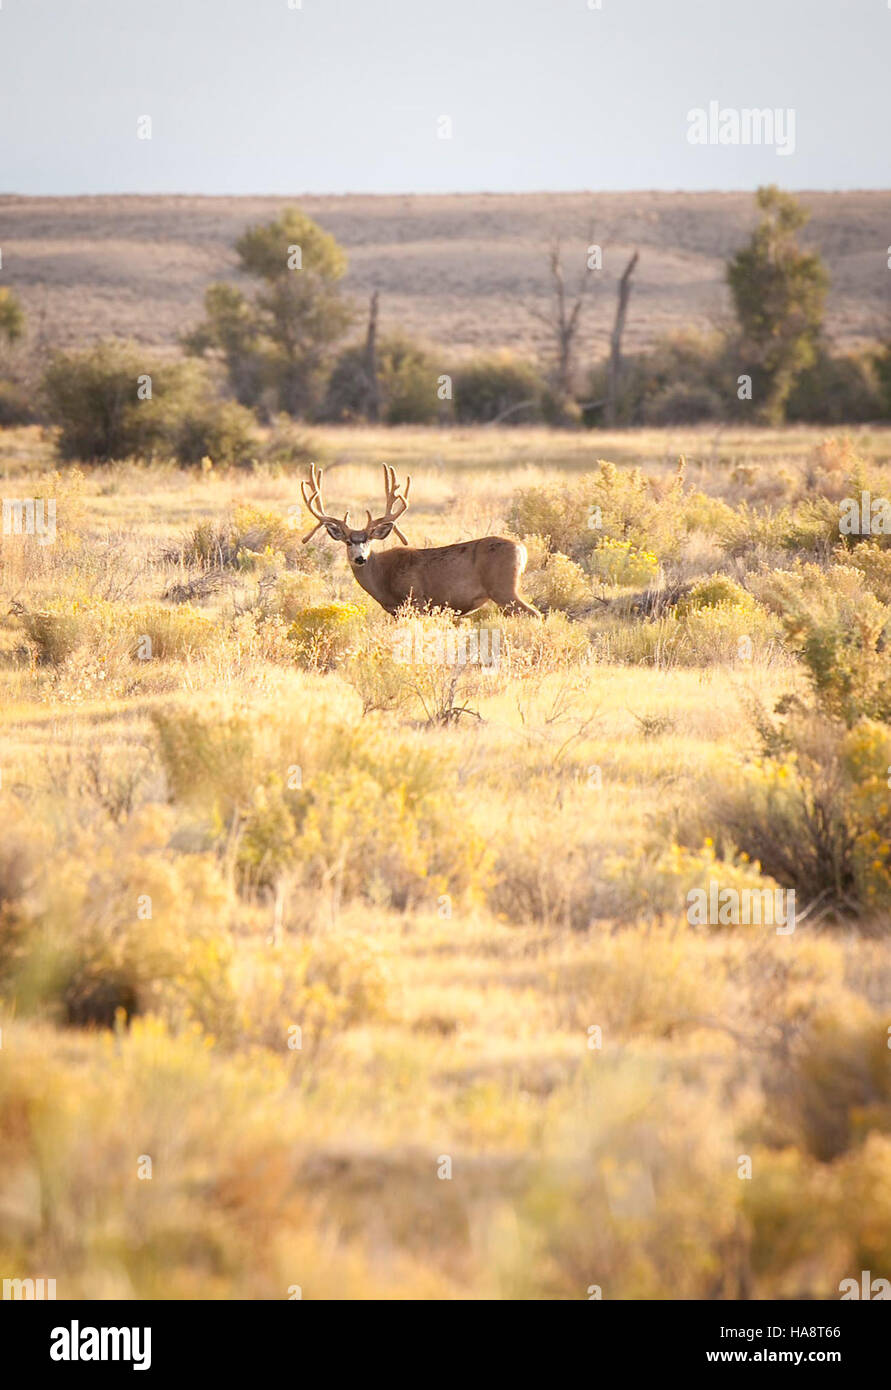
(462, 576)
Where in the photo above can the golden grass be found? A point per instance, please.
(521, 1073)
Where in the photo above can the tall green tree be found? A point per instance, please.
(778, 291)
(231, 332)
(279, 338)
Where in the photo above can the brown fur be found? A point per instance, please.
(462, 576)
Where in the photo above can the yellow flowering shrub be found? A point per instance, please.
(621, 563)
(326, 634)
(867, 752)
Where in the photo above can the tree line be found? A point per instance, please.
(277, 345)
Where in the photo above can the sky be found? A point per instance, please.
(349, 96)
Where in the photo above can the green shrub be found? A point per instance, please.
(91, 395)
(293, 593)
(16, 405)
(729, 633)
(53, 633)
(287, 445)
(812, 527)
(256, 531)
(814, 810)
(248, 537)
(349, 394)
(839, 630)
(393, 828)
(145, 632)
(683, 379)
(406, 385)
(682, 404)
(787, 812)
(874, 563)
(495, 387)
(64, 624)
(715, 591)
(614, 504)
(211, 762)
(163, 633)
(722, 634)
(221, 431)
(743, 531)
(559, 583)
(380, 681)
(659, 885)
(839, 1088)
(95, 951)
(366, 819)
(12, 316)
(837, 389)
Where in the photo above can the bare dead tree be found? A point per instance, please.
(373, 407)
(562, 320)
(615, 355)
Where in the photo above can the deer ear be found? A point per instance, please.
(335, 530)
(380, 533)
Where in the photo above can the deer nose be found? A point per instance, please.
(359, 560)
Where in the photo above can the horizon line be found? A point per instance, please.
(452, 193)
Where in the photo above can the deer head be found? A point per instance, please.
(357, 542)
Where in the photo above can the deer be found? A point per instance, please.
(462, 576)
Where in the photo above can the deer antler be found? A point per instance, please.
(312, 496)
(393, 500)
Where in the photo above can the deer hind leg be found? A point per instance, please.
(503, 586)
(509, 600)
(519, 605)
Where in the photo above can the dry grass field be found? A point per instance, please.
(323, 969)
(459, 271)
